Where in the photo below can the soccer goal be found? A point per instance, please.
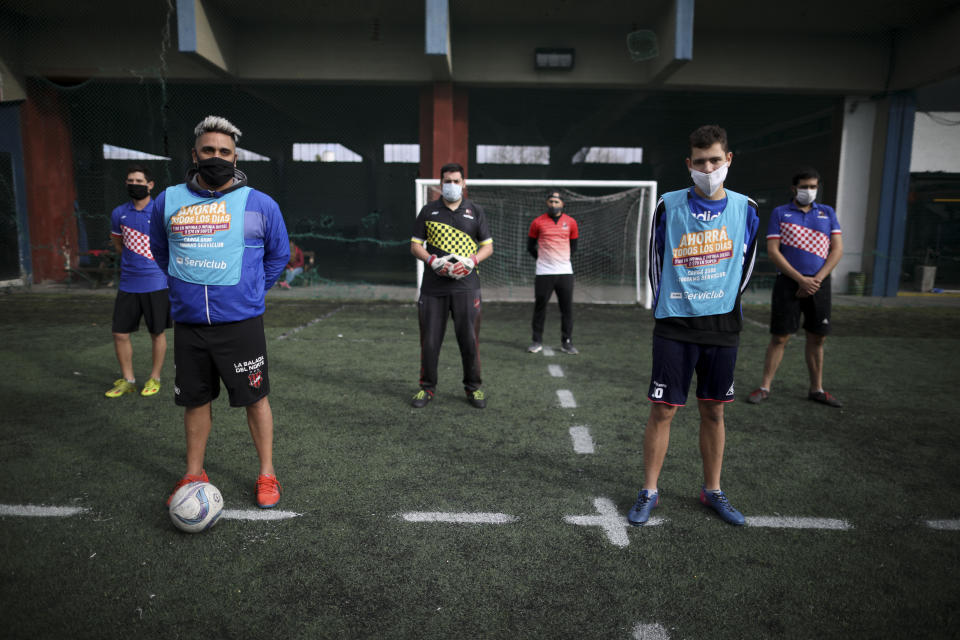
(613, 216)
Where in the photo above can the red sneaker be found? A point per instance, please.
(268, 490)
(187, 479)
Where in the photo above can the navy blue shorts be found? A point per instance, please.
(674, 363)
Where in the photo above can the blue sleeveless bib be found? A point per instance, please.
(702, 260)
(205, 235)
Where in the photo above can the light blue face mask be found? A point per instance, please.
(452, 192)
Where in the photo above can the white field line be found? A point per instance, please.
(778, 522)
(458, 518)
(944, 525)
(755, 323)
(582, 442)
(614, 524)
(284, 336)
(566, 399)
(34, 511)
(548, 351)
(258, 514)
(555, 370)
(642, 631)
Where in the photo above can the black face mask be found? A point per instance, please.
(137, 191)
(554, 211)
(215, 172)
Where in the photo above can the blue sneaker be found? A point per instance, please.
(646, 503)
(719, 503)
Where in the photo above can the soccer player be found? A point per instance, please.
(142, 291)
(451, 237)
(804, 242)
(702, 250)
(552, 240)
(221, 242)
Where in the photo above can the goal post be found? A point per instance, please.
(613, 216)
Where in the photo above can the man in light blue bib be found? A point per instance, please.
(223, 245)
(702, 249)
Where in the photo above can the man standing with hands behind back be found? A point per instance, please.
(702, 251)
(222, 244)
(552, 240)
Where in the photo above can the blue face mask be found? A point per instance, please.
(452, 192)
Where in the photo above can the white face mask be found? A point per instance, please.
(452, 192)
(709, 183)
(806, 196)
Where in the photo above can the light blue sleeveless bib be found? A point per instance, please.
(702, 260)
(205, 235)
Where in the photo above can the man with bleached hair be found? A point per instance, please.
(222, 243)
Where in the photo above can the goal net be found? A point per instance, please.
(613, 216)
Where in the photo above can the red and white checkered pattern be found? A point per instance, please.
(805, 239)
(137, 241)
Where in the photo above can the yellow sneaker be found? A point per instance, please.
(121, 387)
(151, 388)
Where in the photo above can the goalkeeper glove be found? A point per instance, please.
(462, 267)
(440, 266)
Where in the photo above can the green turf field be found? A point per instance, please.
(353, 457)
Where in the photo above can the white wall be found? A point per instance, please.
(856, 152)
(936, 142)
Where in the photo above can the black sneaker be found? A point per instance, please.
(477, 399)
(422, 398)
(567, 347)
(824, 398)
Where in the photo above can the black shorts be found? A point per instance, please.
(674, 363)
(786, 307)
(154, 307)
(235, 352)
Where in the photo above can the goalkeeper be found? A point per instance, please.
(552, 239)
(451, 237)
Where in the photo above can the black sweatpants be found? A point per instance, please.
(465, 308)
(543, 288)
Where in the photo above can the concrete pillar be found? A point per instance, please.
(853, 188)
(443, 128)
(894, 187)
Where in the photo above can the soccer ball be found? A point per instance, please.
(196, 507)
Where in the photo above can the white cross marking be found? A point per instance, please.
(612, 523)
(555, 370)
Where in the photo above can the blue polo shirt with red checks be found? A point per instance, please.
(139, 272)
(804, 235)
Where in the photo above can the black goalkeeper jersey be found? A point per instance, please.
(442, 232)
